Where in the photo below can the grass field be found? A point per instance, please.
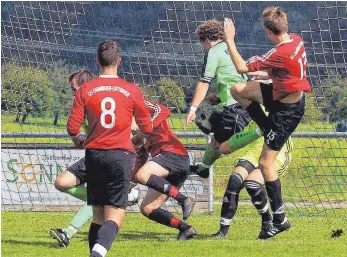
(26, 234)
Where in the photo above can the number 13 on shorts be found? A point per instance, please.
(108, 115)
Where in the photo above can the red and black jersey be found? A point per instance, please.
(286, 64)
(162, 138)
(109, 104)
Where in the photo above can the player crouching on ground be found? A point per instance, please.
(72, 180)
(284, 98)
(164, 173)
(109, 104)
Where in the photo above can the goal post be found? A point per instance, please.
(42, 42)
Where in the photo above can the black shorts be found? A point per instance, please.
(232, 120)
(176, 164)
(79, 170)
(108, 176)
(283, 118)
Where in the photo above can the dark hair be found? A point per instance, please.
(275, 20)
(80, 76)
(108, 52)
(212, 30)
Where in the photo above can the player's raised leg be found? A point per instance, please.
(151, 208)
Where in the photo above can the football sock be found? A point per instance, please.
(258, 115)
(166, 218)
(80, 218)
(105, 237)
(163, 186)
(210, 156)
(258, 197)
(273, 189)
(230, 201)
(242, 139)
(80, 192)
(93, 231)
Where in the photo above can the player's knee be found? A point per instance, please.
(146, 210)
(140, 177)
(224, 148)
(59, 183)
(237, 89)
(265, 164)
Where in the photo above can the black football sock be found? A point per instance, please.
(258, 115)
(163, 186)
(258, 197)
(230, 202)
(273, 189)
(166, 218)
(105, 237)
(93, 231)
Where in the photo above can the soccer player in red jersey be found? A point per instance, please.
(284, 98)
(164, 173)
(109, 104)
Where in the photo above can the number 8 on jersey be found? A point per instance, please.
(108, 111)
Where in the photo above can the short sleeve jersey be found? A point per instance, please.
(286, 64)
(218, 65)
(109, 104)
(162, 138)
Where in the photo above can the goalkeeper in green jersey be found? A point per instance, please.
(233, 118)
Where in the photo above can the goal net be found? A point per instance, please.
(42, 42)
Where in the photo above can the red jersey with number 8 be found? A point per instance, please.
(286, 64)
(109, 104)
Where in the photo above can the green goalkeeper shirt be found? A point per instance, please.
(218, 65)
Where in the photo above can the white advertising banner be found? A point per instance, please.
(28, 176)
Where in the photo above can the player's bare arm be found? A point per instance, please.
(229, 31)
(199, 96)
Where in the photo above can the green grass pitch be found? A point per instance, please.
(27, 234)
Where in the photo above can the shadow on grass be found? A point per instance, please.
(142, 236)
(52, 244)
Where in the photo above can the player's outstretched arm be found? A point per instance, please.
(199, 96)
(240, 140)
(229, 34)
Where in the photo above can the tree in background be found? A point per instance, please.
(166, 91)
(171, 94)
(328, 101)
(25, 90)
(62, 99)
(41, 92)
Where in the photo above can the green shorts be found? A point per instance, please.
(283, 159)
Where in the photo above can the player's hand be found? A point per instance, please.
(78, 141)
(190, 118)
(229, 30)
(259, 75)
(138, 140)
(212, 99)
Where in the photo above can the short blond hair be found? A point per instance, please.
(212, 30)
(275, 20)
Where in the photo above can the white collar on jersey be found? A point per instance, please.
(108, 76)
(286, 41)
